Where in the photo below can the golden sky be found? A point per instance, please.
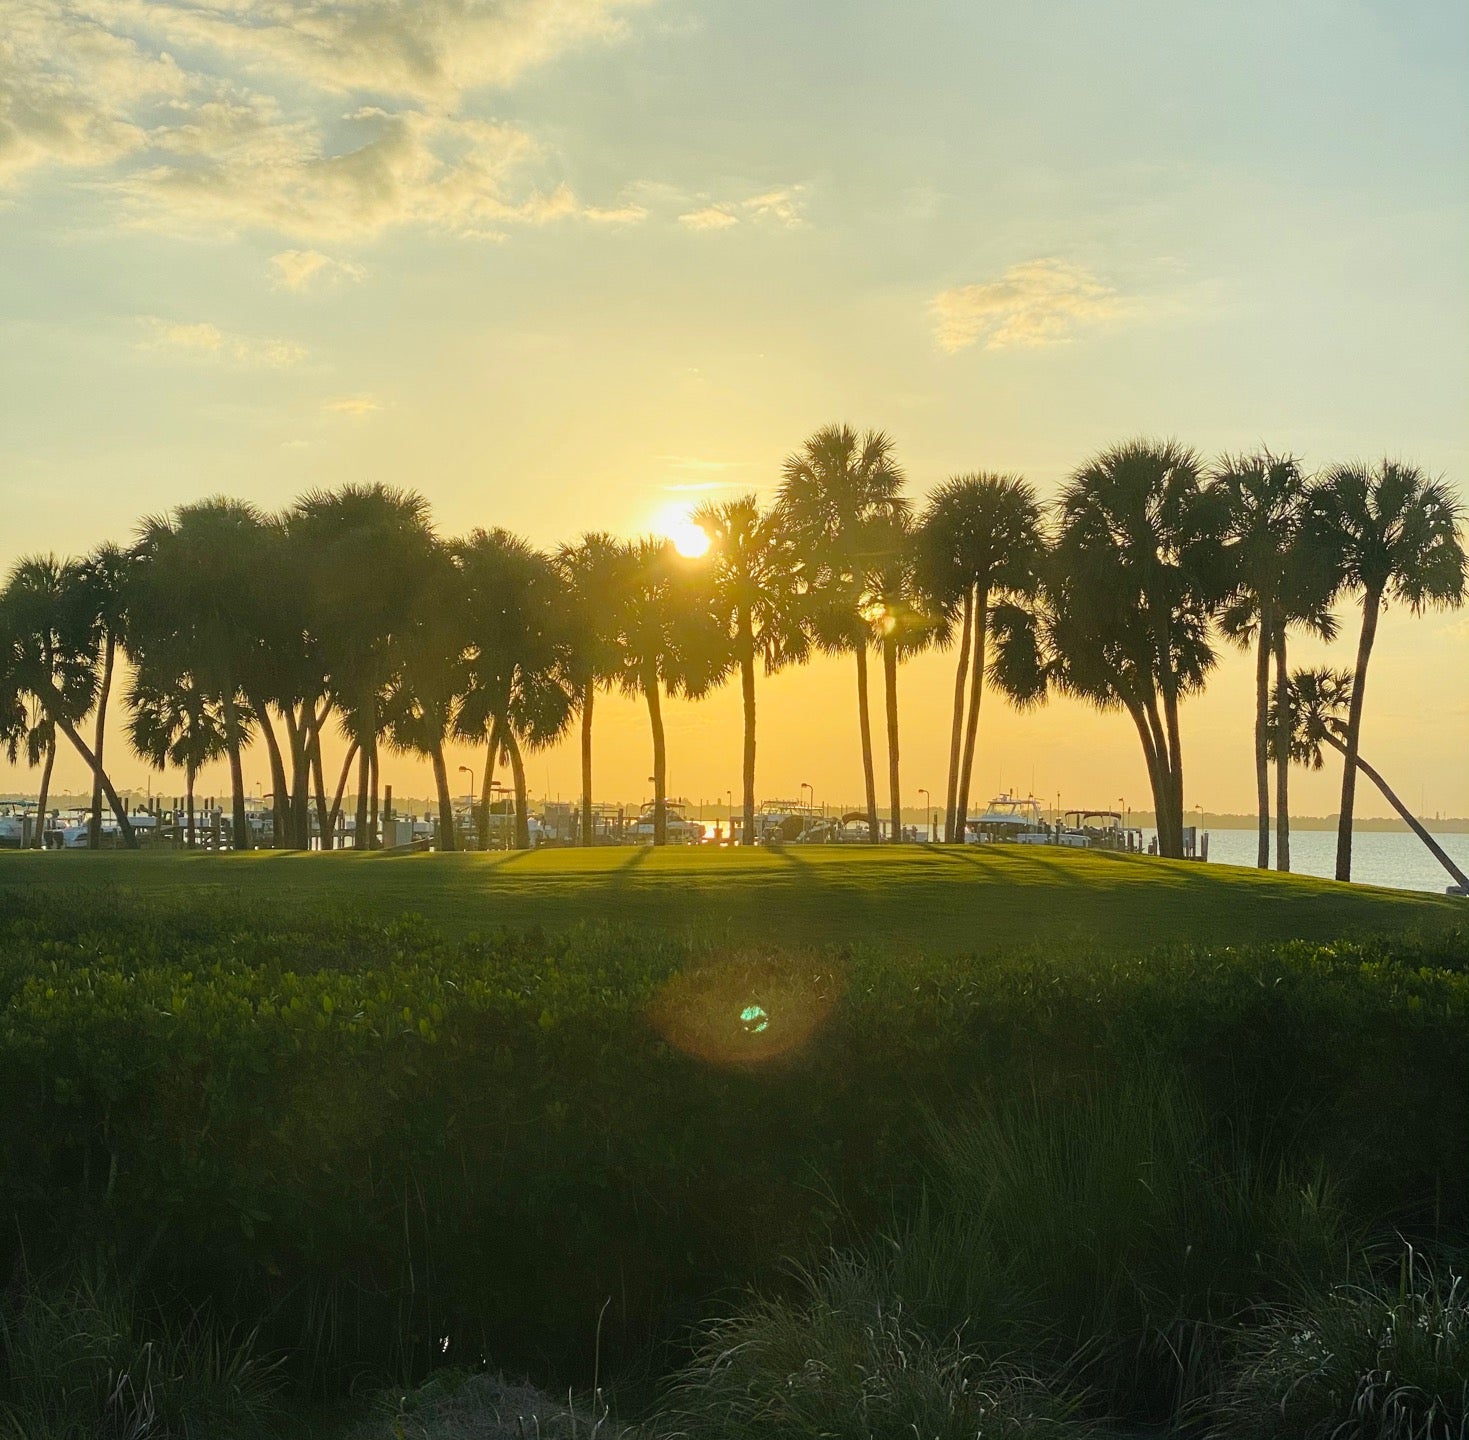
(563, 266)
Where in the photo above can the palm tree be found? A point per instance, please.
(900, 623)
(51, 660)
(1396, 535)
(833, 488)
(1276, 577)
(517, 693)
(1314, 709)
(1134, 579)
(757, 597)
(593, 573)
(104, 577)
(195, 605)
(669, 641)
(979, 545)
(368, 552)
(174, 721)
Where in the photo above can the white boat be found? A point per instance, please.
(680, 829)
(1008, 818)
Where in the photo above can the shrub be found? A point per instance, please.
(1356, 1362)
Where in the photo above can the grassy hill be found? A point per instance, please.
(929, 898)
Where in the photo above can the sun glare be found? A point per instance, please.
(688, 539)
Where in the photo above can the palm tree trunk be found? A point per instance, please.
(298, 798)
(1411, 820)
(94, 823)
(239, 824)
(1157, 782)
(318, 784)
(1170, 842)
(1174, 767)
(50, 698)
(1371, 605)
(864, 726)
(1262, 736)
(1282, 759)
(976, 694)
(374, 776)
(189, 775)
(278, 840)
(492, 757)
(482, 810)
(660, 760)
(522, 800)
(747, 689)
(45, 794)
(890, 696)
(588, 695)
(364, 780)
(446, 801)
(329, 826)
(953, 826)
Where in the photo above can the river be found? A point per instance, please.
(1378, 857)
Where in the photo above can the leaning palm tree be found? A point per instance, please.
(593, 574)
(758, 599)
(1315, 710)
(104, 576)
(1396, 534)
(517, 694)
(832, 489)
(980, 546)
(670, 642)
(51, 655)
(173, 721)
(1272, 583)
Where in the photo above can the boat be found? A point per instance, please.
(1105, 830)
(1011, 819)
(680, 829)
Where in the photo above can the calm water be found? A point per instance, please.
(1377, 858)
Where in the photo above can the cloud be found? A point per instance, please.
(204, 339)
(781, 207)
(1042, 302)
(322, 120)
(355, 405)
(302, 269)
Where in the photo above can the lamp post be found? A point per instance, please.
(811, 790)
(469, 770)
(928, 807)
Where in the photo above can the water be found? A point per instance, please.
(1378, 857)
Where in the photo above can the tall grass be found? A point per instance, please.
(81, 1359)
(1356, 1362)
(1113, 1232)
(844, 1362)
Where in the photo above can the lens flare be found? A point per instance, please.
(688, 539)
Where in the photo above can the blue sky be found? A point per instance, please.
(567, 264)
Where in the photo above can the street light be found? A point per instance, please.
(468, 770)
(807, 785)
(928, 806)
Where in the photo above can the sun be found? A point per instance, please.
(688, 539)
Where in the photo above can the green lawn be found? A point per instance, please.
(930, 898)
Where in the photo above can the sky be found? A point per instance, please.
(565, 265)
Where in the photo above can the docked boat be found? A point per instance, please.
(680, 829)
(1009, 819)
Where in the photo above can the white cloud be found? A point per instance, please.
(203, 339)
(781, 207)
(1042, 302)
(252, 131)
(355, 405)
(302, 269)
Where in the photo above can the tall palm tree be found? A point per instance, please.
(1314, 710)
(980, 545)
(1134, 579)
(593, 573)
(369, 550)
(104, 577)
(517, 693)
(831, 490)
(670, 641)
(757, 597)
(1275, 578)
(174, 721)
(195, 604)
(51, 659)
(901, 624)
(1396, 534)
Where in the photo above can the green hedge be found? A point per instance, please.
(387, 1141)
